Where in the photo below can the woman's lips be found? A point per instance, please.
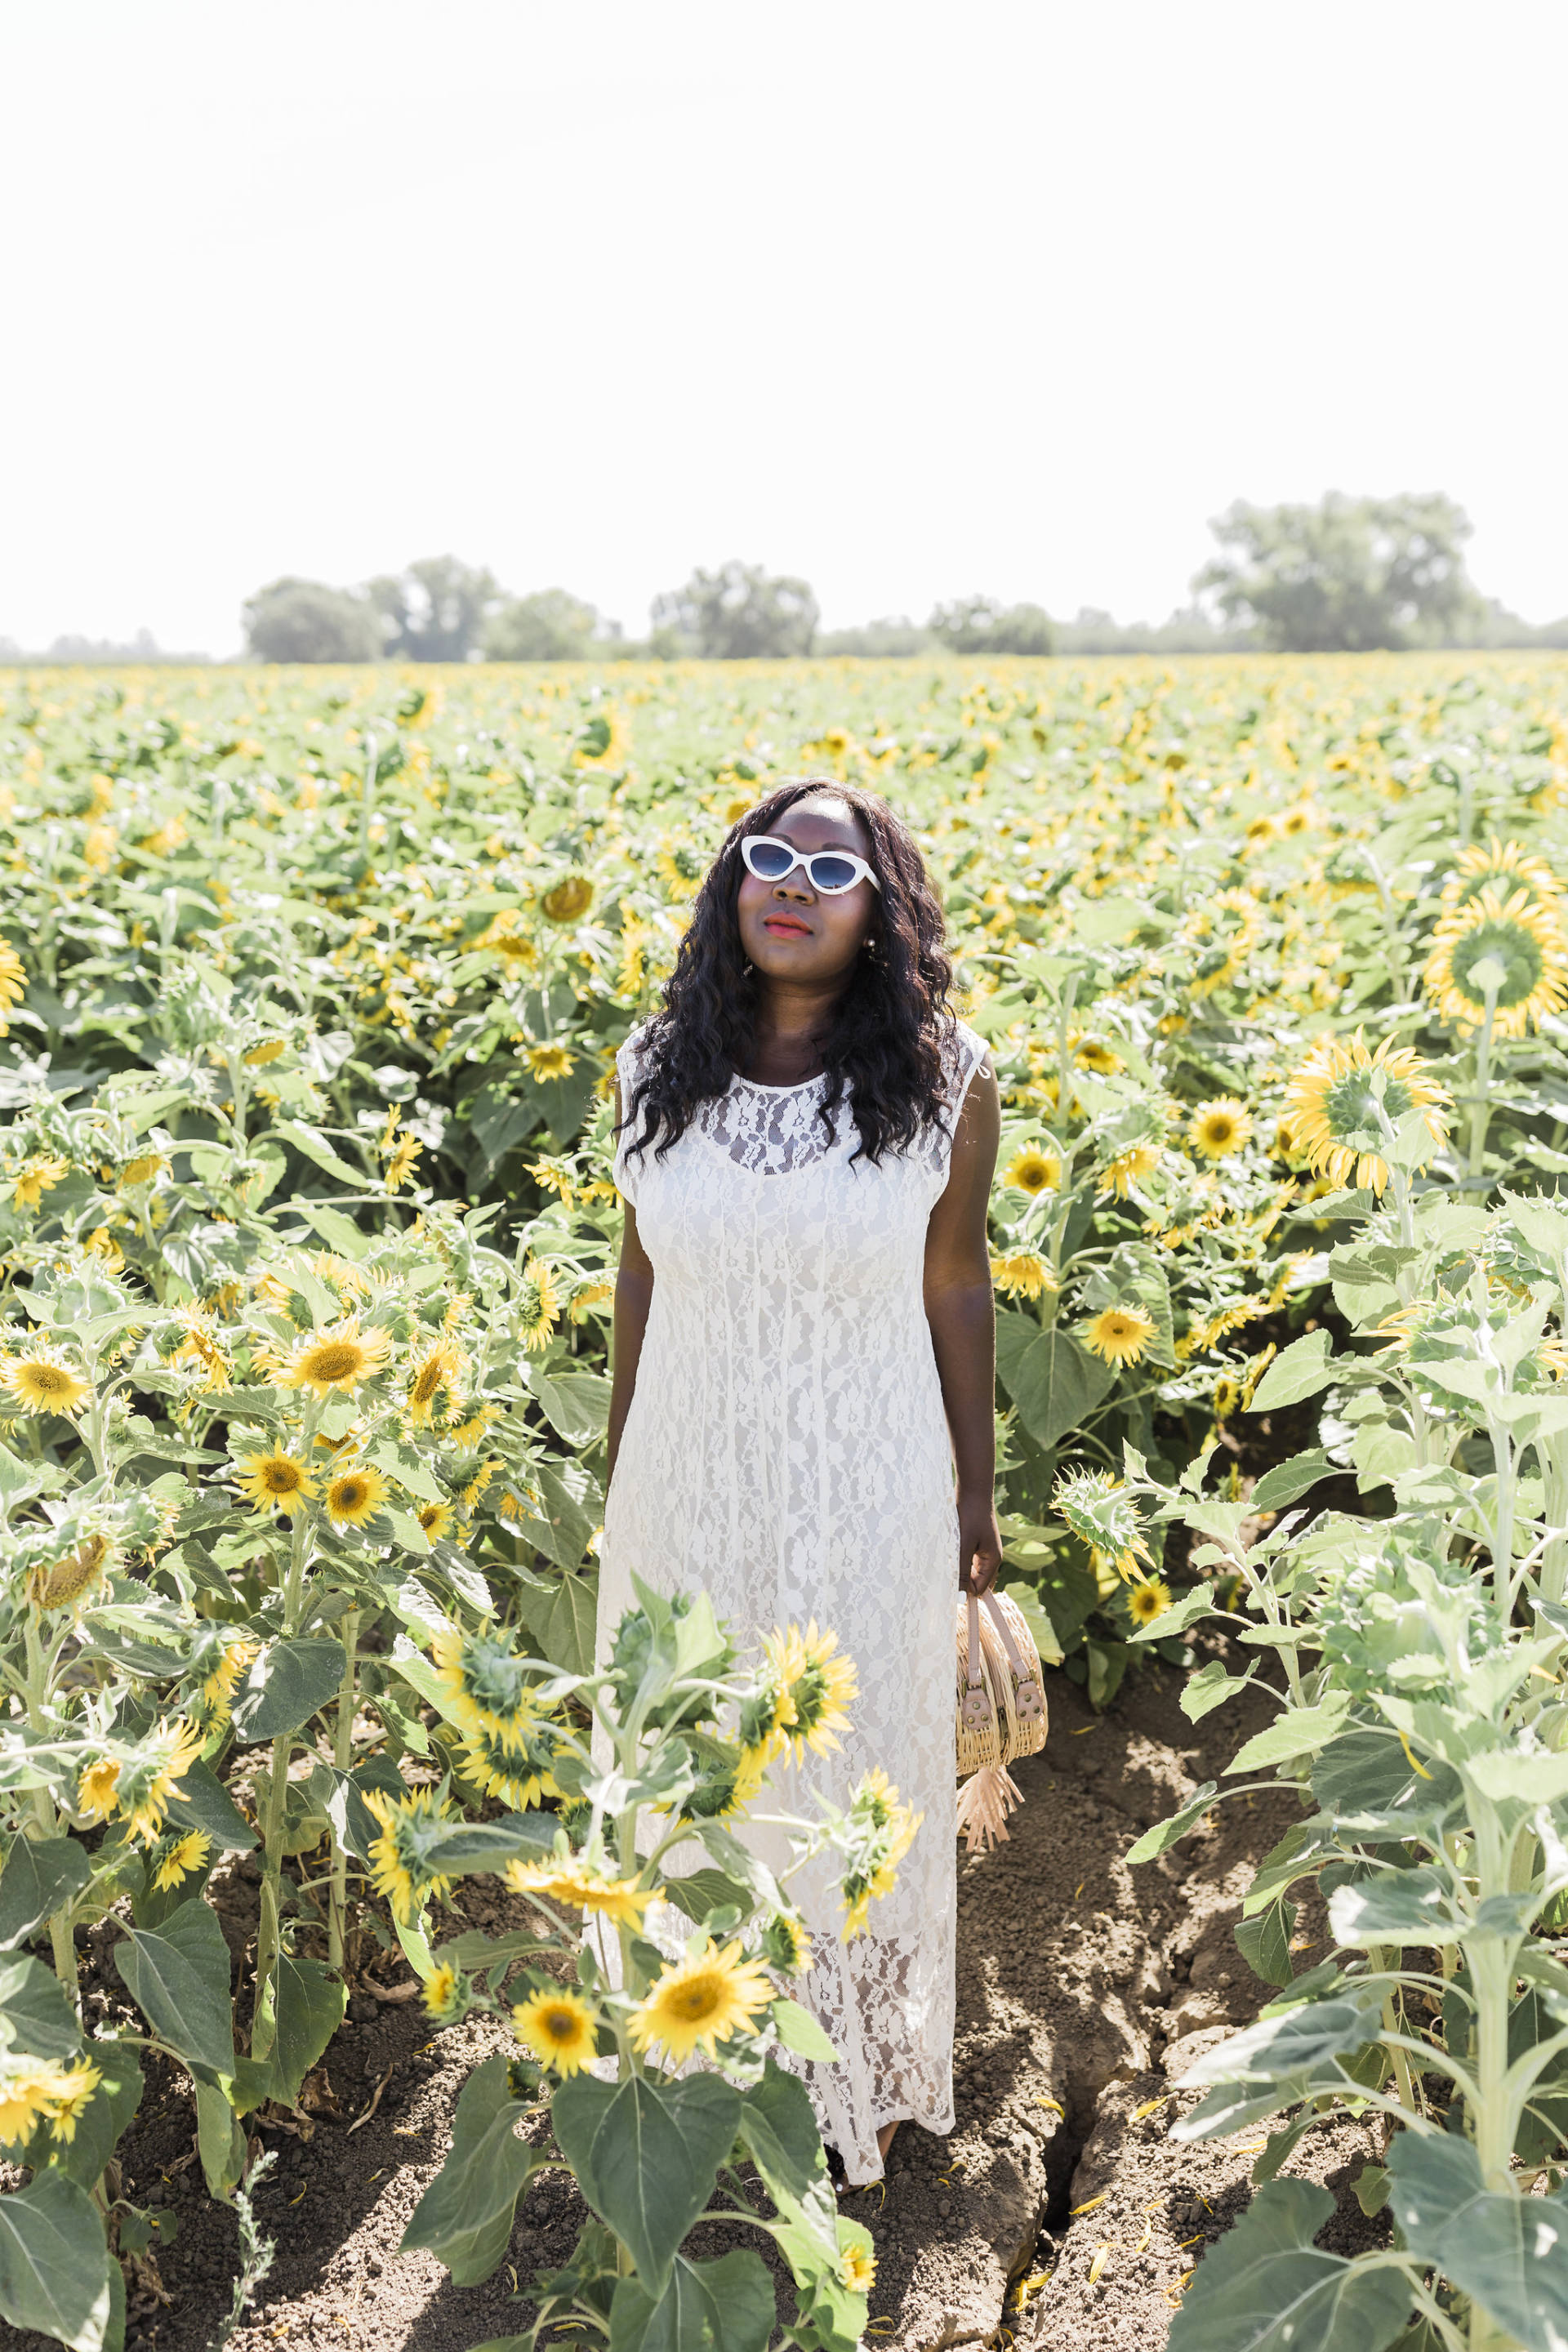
(786, 926)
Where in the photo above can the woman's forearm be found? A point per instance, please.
(634, 1297)
(963, 1320)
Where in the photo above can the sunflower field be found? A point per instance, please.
(311, 986)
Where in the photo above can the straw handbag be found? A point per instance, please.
(1000, 1713)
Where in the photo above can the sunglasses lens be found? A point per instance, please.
(830, 873)
(768, 860)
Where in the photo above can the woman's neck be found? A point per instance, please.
(793, 1022)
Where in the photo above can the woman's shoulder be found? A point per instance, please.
(963, 1050)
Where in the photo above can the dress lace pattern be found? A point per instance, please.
(787, 1450)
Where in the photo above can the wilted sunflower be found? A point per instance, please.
(538, 1305)
(436, 1381)
(856, 2267)
(559, 2029)
(412, 1827)
(276, 1480)
(698, 2002)
(1219, 1127)
(1147, 1600)
(1119, 1335)
(1125, 1170)
(574, 1882)
(337, 1359)
(1033, 1171)
(1332, 1108)
(355, 1494)
(1513, 949)
(549, 1062)
(149, 1778)
(40, 1380)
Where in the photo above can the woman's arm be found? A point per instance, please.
(962, 1313)
(634, 1297)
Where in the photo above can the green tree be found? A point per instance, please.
(1348, 575)
(549, 625)
(305, 621)
(892, 638)
(977, 625)
(435, 609)
(740, 613)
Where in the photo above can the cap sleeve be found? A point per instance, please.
(627, 1169)
(965, 1056)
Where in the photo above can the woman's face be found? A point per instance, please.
(791, 931)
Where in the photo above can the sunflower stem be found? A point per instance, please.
(1481, 1108)
(263, 2021)
(62, 1950)
(342, 1753)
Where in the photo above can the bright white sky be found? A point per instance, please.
(913, 298)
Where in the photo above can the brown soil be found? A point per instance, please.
(1085, 1989)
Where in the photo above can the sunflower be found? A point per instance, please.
(1514, 949)
(1102, 1515)
(554, 1176)
(516, 1771)
(436, 1518)
(486, 1685)
(785, 1945)
(275, 1481)
(701, 2002)
(400, 1161)
(503, 938)
(446, 1994)
(436, 1379)
(411, 1828)
(1147, 1599)
(856, 2267)
(218, 1689)
(39, 1381)
(355, 1495)
(13, 981)
(1023, 1274)
(178, 1858)
(1033, 1171)
(881, 1832)
(1331, 1105)
(271, 1049)
(141, 1171)
(812, 1688)
(337, 1359)
(1501, 865)
(549, 1062)
(1120, 1335)
(568, 900)
(153, 1776)
(71, 2098)
(1094, 1053)
(34, 1178)
(63, 1582)
(569, 1880)
(41, 2090)
(1126, 1169)
(588, 1296)
(1223, 934)
(558, 2028)
(199, 1348)
(1219, 1127)
(97, 1793)
(538, 1305)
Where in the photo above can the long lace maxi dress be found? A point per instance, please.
(787, 1451)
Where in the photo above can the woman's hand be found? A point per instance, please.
(979, 1545)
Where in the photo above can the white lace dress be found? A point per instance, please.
(787, 1451)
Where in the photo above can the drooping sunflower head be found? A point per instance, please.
(151, 1777)
(355, 1493)
(516, 1770)
(1023, 1274)
(1219, 1127)
(1120, 1335)
(445, 1995)
(879, 1831)
(336, 1360)
(412, 1827)
(66, 1582)
(811, 1687)
(1102, 1515)
(1125, 1170)
(222, 1678)
(40, 1380)
(1033, 1171)
(486, 1686)
(538, 1304)
(701, 2002)
(556, 2026)
(97, 1791)
(785, 1945)
(275, 1481)
(178, 1856)
(1509, 953)
(1147, 1599)
(436, 1383)
(548, 1061)
(575, 1882)
(1332, 1106)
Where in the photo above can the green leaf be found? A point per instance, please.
(1509, 2253)
(1530, 1779)
(405, 1467)
(34, 2005)
(1054, 1382)
(41, 1875)
(316, 1148)
(465, 2217)
(54, 2265)
(1210, 1687)
(100, 2124)
(178, 1977)
(1264, 1942)
(490, 1845)
(1032, 1609)
(646, 2155)
(1299, 1370)
(577, 1405)
(288, 1682)
(1394, 1906)
(1265, 2287)
(1166, 1833)
(780, 2132)
(1198, 1602)
(203, 1803)
(1297, 2043)
(573, 1508)
(1299, 1731)
(699, 1892)
(563, 1618)
(308, 2001)
(799, 2031)
(722, 2306)
(1288, 1480)
(220, 2138)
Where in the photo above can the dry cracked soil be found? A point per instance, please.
(1060, 2214)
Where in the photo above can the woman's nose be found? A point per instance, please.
(795, 885)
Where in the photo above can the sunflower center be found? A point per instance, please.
(335, 1360)
(281, 1477)
(351, 1494)
(47, 1380)
(696, 2001)
(561, 2025)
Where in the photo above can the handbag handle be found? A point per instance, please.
(1020, 1670)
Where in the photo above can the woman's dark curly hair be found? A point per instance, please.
(884, 1048)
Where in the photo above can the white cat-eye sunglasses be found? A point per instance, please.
(829, 871)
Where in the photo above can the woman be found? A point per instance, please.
(804, 1351)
